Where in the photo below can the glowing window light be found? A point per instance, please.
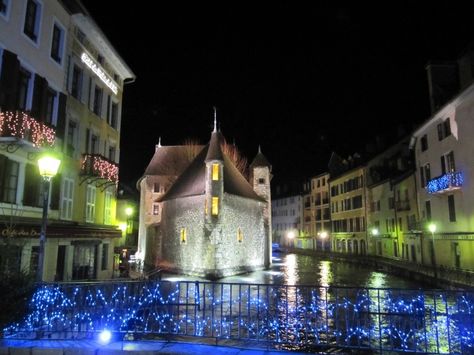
(215, 206)
(183, 236)
(446, 182)
(99, 166)
(20, 125)
(240, 235)
(99, 72)
(215, 172)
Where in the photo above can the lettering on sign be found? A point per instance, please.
(99, 72)
(11, 232)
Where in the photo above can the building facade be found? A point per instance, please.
(210, 221)
(54, 91)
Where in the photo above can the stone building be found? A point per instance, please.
(199, 215)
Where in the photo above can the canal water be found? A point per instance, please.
(296, 269)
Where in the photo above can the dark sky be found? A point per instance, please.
(299, 80)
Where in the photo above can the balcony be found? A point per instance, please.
(97, 168)
(19, 128)
(402, 205)
(445, 183)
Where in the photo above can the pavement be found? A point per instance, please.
(94, 347)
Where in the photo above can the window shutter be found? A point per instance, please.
(32, 186)
(443, 165)
(61, 126)
(55, 192)
(38, 103)
(9, 81)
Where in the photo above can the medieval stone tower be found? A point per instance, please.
(201, 216)
(260, 177)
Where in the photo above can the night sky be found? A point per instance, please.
(301, 81)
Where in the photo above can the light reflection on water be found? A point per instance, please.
(295, 269)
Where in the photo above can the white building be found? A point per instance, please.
(287, 214)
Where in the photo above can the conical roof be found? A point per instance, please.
(193, 180)
(260, 160)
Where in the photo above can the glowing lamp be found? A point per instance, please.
(375, 231)
(291, 235)
(323, 234)
(122, 227)
(105, 336)
(432, 227)
(129, 211)
(48, 166)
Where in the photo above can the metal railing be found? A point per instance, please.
(296, 317)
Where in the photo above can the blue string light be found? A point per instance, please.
(398, 320)
(445, 182)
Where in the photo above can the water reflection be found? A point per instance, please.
(295, 269)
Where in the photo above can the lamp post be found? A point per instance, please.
(291, 236)
(129, 213)
(48, 168)
(432, 229)
(323, 235)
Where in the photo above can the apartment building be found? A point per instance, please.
(61, 88)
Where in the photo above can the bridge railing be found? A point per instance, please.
(300, 317)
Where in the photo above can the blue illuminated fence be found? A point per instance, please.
(298, 317)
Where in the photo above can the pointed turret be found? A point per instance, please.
(260, 177)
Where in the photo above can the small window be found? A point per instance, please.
(261, 181)
(4, 7)
(100, 59)
(51, 106)
(112, 153)
(98, 93)
(57, 43)
(156, 209)
(424, 143)
(183, 236)
(114, 115)
(76, 82)
(240, 235)
(156, 187)
(215, 172)
(24, 86)
(428, 210)
(451, 208)
(32, 19)
(215, 206)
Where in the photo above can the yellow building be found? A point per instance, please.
(348, 211)
(63, 93)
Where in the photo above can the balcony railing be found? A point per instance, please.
(21, 125)
(95, 165)
(445, 183)
(402, 205)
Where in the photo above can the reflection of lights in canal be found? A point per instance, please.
(325, 278)
(291, 270)
(377, 280)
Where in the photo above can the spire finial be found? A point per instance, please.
(259, 149)
(215, 119)
(159, 142)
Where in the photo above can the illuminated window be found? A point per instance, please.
(156, 209)
(205, 207)
(215, 206)
(182, 236)
(240, 235)
(215, 172)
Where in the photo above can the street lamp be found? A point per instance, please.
(48, 168)
(323, 235)
(432, 229)
(291, 236)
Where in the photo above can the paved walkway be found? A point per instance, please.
(91, 347)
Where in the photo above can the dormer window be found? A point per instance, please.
(240, 235)
(261, 181)
(215, 172)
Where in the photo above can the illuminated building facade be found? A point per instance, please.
(443, 148)
(287, 214)
(73, 109)
(348, 210)
(199, 215)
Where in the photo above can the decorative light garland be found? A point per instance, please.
(20, 125)
(445, 182)
(100, 167)
(368, 319)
